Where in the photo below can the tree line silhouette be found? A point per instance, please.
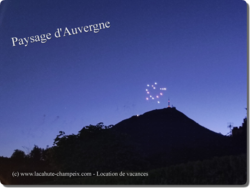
(103, 148)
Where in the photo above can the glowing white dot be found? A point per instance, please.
(158, 101)
(146, 98)
(154, 87)
(146, 89)
(147, 92)
(160, 93)
(148, 85)
(157, 96)
(155, 83)
(150, 96)
(153, 98)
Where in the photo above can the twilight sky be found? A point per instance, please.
(197, 49)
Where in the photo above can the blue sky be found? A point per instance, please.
(197, 49)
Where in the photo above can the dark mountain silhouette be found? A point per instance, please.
(167, 136)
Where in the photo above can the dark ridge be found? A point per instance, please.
(169, 135)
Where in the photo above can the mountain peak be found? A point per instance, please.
(164, 130)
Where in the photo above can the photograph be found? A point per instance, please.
(124, 92)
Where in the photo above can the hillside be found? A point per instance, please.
(164, 143)
(168, 136)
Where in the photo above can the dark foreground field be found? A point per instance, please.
(227, 170)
